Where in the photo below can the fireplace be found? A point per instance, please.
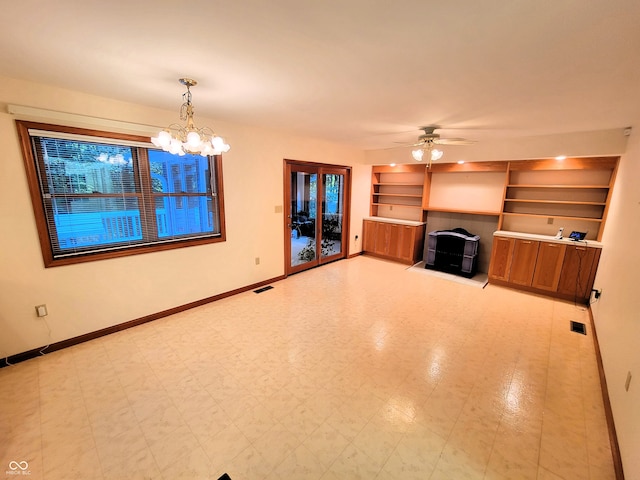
(453, 251)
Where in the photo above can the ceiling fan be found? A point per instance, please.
(429, 139)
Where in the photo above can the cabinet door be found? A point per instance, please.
(523, 262)
(369, 234)
(406, 243)
(501, 258)
(395, 238)
(548, 266)
(578, 271)
(382, 238)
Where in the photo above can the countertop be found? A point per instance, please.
(547, 238)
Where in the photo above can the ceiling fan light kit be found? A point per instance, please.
(433, 154)
(427, 141)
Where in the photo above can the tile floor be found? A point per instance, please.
(360, 369)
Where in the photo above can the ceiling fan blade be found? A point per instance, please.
(453, 141)
(403, 144)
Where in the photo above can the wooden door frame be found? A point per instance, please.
(321, 168)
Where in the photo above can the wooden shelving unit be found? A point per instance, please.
(400, 188)
(527, 196)
(543, 195)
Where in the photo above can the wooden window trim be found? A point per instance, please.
(37, 201)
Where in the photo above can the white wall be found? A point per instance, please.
(617, 312)
(145, 284)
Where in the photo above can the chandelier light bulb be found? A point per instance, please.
(417, 154)
(164, 139)
(193, 140)
(219, 144)
(436, 154)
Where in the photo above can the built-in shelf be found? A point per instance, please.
(468, 212)
(582, 187)
(402, 205)
(398, 184)
(559, 202)
(398, 191)
(560, 217)
(397, 195)
(542, 196)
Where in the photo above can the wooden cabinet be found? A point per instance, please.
(394, 241)
(556, 268)
(548, 266)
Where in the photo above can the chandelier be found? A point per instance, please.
(432, 153)
(180, 140)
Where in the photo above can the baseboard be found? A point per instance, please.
(613, 438)
(21, 357)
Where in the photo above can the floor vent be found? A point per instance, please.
(578, 327)
(263, 289)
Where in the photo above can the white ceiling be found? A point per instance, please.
(361, 72)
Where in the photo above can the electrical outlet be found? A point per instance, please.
(627, 382)
(41, 310)
(356, 237)
(257, 260)
(550, 221)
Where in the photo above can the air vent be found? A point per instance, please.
(263, 289)
(578, 327)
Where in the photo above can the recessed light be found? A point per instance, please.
(392, 164)
(460, 162)
(561, 157)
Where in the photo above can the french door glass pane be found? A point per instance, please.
(304, 188)
(331, 243)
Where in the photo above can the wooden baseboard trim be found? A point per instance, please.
(21, 357)
(354, 255)
(613, 438)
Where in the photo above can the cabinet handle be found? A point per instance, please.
(581, 248)
(526, 241)
(552, 245)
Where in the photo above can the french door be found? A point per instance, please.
(316, 217)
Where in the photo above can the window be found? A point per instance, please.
(100, 195)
